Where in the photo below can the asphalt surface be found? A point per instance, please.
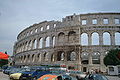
(6, 77)
(113, 77)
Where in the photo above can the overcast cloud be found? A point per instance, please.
(16, 15)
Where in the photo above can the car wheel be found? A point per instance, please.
(20, 78)
(10, 78)
(119, 75)
(34, 78)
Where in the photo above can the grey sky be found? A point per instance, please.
(16, 15)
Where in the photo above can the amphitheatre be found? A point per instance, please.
(78, 41)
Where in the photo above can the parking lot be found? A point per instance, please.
(3, 76)
(113, 78)
(6, 77)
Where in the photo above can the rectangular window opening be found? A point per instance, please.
(94, 21)
(117, 21)
(105, 21)
(84, 22)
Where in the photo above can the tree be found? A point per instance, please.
(112, 58)
(119, 55)
(3, 62)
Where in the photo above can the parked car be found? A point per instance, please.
(57, 71)
(18, 74)
(34, 73)
(56, 77)
(78, 74)
(95, 77)
(4, 67)
(8, 70)
(14, 70)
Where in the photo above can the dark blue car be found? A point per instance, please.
(95, 77)
(34, 73)
(8, 70)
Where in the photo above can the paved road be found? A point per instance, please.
(3, 76)
(113, 78)
(6, 77)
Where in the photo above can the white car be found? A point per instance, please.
(77, 74)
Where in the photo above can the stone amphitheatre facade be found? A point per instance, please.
(78, 41)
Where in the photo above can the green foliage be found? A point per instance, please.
(3, 62)
(112, 57)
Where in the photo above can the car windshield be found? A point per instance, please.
(75, 72)
(104, 78)
(65, 76)
(58, 72)
(29, 70)
(24, 69)
(15, 70)
(78, 72)
(9, 68)
(98, 77)
(33, 69)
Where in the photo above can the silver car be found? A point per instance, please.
(95, 77)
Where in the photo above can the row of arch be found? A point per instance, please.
(60, 56)
(36, 43)
(85, 39)
(106, 39)
(45, 41)
(36, 30)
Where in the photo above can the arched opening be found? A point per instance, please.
(39, 57)
(84, 39)
(53, 58)
(33, 58)
(36, 30)
(46, 55)
(54, 25)
(106, 38)
(48, 27)
(95, 38)
(30, 45)
(40, 42)
(60, 56)
(24, 59)
(73, 56)
(85, 58)
(71, 36)
(35, 44)
(61, 38)
(53, 40)
(117, 38)
(20, 59)
(22, 47)
(28, 58)
(41, 29)
(47, 42)
(96, 58)
(26, 45)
